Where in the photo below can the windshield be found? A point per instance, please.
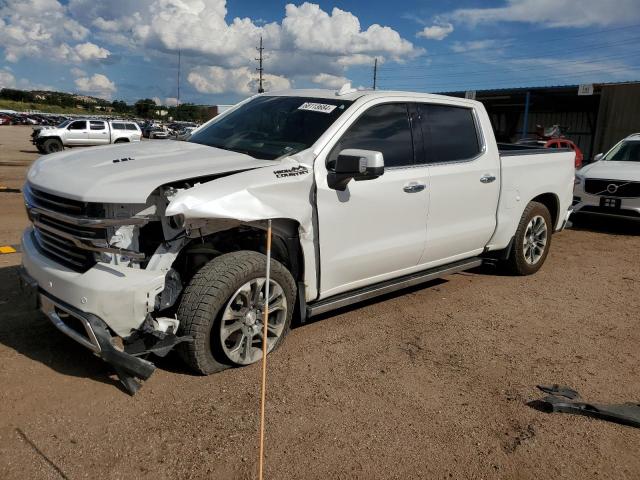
(627, 151)
(64, 124)
(270, 127)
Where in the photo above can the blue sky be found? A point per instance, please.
(119, 49)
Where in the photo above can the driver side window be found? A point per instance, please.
(383, 128)
(79, 125)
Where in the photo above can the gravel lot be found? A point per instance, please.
(431, 383)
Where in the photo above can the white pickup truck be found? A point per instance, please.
(139, 248)
(83, 133)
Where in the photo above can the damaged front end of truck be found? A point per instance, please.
(111, 275)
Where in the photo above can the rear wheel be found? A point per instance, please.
(532, 240)
(52, 145)
(222, 309)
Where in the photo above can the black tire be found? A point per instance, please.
(121, 140)
(517, 264)
(52, 145)
(41, 149)
(206, 296)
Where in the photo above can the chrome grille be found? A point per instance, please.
(55, 237)
(70, 232)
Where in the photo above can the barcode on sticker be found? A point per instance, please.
(317, 107)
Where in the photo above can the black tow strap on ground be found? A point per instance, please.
(567, 400)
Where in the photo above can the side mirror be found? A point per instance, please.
(598, 157)
(355, 164)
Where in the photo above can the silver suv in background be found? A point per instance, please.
(85, 132)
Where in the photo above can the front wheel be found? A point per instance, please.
(222, 309)
(52, 145)
(532, 240)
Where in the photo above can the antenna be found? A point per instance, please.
(260, 69)
(375, 72)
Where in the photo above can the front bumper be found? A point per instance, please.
(120, 296)
(91, 332)
(586, 203)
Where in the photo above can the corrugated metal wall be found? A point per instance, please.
(618, 116)
(578, 123)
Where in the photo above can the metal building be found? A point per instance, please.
(597, 115)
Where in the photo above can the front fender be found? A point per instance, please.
(279, 191)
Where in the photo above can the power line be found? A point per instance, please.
(553, 39)
(488, 85)
(561, 62)
(596, 46)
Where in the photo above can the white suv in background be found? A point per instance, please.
(611, 185)
(85, 132)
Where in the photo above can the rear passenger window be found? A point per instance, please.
(79, 125)
(450, 133)
(383, 128)
(96, 125)
(131, 126)
(118, 126)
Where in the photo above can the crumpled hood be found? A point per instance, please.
(612, 170)
(129, 173)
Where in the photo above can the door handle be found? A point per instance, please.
(414, 187)
(487, 178)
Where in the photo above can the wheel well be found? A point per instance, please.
(285, 248)
(121, 140)
(550, 201)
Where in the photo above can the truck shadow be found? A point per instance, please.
(28, 332)
(613, 226)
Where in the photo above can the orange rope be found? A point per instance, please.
(263, 393)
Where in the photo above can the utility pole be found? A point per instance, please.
(260, 69)
(375, 72)
(178, 99)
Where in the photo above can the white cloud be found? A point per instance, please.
(554, 13)
(98, 85)
(436, 32)
(7, 80)
(78, 72)
(38, 28)
(91, 51)
(473, 45)
(240, 80)
(329, 81)
(171, 101)
(306, 41)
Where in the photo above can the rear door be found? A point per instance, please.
(77, 133)
(464, 183)
(98, 132)
(375, 229)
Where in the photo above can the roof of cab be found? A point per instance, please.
(355, 94)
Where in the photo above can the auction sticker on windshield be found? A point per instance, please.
(317, 107)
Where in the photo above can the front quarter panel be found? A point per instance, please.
(282, 190)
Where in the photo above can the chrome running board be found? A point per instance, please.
(372, 291)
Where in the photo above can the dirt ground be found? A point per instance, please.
(429, 383)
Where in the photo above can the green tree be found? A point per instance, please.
(145, 108)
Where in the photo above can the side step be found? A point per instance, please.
(372, 291)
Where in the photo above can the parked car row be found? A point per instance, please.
(11, 118)
(175, 130)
